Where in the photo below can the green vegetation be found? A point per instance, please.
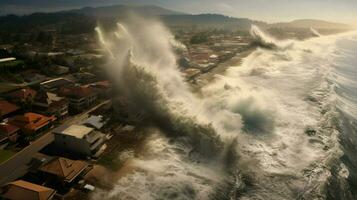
(5, 155)
(199, 38)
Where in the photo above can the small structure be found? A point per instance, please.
(55, 84)
(96, 122)
(7, 109)
(65, 170)
(32, 123)
(48, 103)
(23, 190)
(102, 88)
(84, 141)
(79, 97)
(22, 96)
(8, 132)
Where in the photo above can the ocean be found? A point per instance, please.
(282, 125)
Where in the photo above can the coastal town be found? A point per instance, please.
(58, 125)
(61, 130)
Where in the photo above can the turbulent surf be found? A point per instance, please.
(268, 129)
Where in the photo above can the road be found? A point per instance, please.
(16, 166)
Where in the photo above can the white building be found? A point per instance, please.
(80, 139)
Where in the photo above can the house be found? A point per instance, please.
(7, 109)
(23, 190)
(85, 78)
(22, 96)
(96, 122)
(102, 88)
(48, 103)
(55, 84)
(79, 139)
(32, 123)
(8, 132)
(79, 97)
(64, 169)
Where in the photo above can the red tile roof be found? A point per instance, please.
(30, 122)
(8, 129)
(65, 168)
(23, 190)
(7, 108)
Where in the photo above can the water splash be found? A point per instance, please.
(104, 43)
(315, 32)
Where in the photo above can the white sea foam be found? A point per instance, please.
(260, 111)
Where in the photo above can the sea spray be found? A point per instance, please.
(199, 150)
(315, 32)
(266, 41)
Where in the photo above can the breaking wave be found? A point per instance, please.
(264, 130)
(264, 40)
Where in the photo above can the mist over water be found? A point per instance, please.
(264, 130)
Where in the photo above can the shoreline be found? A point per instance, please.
(206, 78)
(104, 176)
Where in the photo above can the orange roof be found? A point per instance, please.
(23, 190)
(31, 121)
(7, 107)
(65, 168)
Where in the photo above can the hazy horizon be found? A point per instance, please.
(264, 10)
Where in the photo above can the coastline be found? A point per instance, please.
(205, 78)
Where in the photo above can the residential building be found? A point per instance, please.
(8, 132)
(65, 170)
(95, 121)
(49, 104)
(80, 98)
(79, 139)
(22, 96)
(23, 190)
(55, 84)
(7, 109)
(32, 123)
(102, 88)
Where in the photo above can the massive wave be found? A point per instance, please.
(263, 130)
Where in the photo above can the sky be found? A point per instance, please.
(265, 10)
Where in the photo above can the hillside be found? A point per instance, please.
(122, 10)
(311, 23)
(210, 21)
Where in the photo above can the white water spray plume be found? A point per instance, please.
(245, 137)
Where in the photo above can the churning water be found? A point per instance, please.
(280, 126)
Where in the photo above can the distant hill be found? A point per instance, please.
(311, 23)
(210, 21)
(122, 10)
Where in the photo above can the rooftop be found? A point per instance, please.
(7, 107)
(31, 121)
(65, 168)
(57, 82)
(6, 128)
(77, 92)
(23, 190)
(7, 59)
(23, 93)
(77, 131)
